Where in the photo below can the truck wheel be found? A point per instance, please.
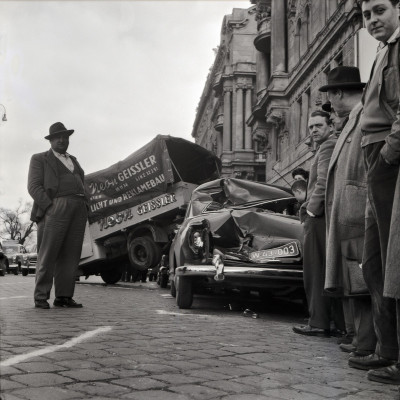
(111, 276)
(24, 272)
(144, 253)
(173, 288)
(184, 292)
(163, 280)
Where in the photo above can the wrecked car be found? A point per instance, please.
(237, 234)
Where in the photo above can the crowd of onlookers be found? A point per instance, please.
(350, 206)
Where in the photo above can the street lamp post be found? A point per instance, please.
(4, 116)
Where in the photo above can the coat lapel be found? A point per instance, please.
(52, 161)
(348, 128)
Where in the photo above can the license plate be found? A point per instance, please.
(288, 250)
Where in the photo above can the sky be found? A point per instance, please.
(117, 72)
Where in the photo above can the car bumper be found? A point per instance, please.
(268, 276)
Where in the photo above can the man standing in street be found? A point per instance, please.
(312, 213)
(345, 200)
(380, 101)
(56, 184)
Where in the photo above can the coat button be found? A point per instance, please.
(348, 140)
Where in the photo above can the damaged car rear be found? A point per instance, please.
(237, 234)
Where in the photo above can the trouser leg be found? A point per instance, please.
(348, 314)
(363, 323)
(52, 229)
(314, 272)
(381, 180)
(70, 252)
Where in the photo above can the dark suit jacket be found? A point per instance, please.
(43, 181)
(315, 201)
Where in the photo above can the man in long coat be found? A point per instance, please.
(380, 106)
(346, 195)
(322, 309)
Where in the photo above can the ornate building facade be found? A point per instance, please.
(255, 106)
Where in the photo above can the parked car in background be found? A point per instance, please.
(3, 262)
(28, 261)
(13, 251)
(237, 234)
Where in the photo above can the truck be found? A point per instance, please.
(136, 205)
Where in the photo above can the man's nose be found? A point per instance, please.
(373, 18)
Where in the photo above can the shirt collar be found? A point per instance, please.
(57, 154)
(394, 36)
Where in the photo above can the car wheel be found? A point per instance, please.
(111, 275)
(163, 281)
(24, 272)
(144, 253)
(184, 292)
(1, 272)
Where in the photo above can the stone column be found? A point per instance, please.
(248, 143)
(239, 119)
(219, 143)
(262, 71)
(227, 139)
(278, 36)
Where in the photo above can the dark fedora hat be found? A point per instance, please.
(327, 107)
(343, 78)
(57, 129)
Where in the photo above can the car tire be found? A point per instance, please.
(184, 292)
(111, 275)
(144, 253)
(163, 281)
(25, 272)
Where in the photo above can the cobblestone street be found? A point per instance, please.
(130, 341)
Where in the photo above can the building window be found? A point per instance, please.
(299, 106)
(338, 60)
(297, 41)
(307, 22)
(305, 114)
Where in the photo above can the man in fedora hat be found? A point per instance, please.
(380, 107)
(56, 184)
(345, 201)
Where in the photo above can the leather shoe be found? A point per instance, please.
(389, 375)
(309, 330)
(372, 361)
(345, 339)
(42, 304)
(347, 348)
(66, 302)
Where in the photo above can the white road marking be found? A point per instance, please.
(51, 349)
(13, 297)
(167, 296)
(163, 312)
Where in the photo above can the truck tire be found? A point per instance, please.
(111, 275)
(184, 292)
(173, 288)
(163, 280)
(144, 253)
(25, 272)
